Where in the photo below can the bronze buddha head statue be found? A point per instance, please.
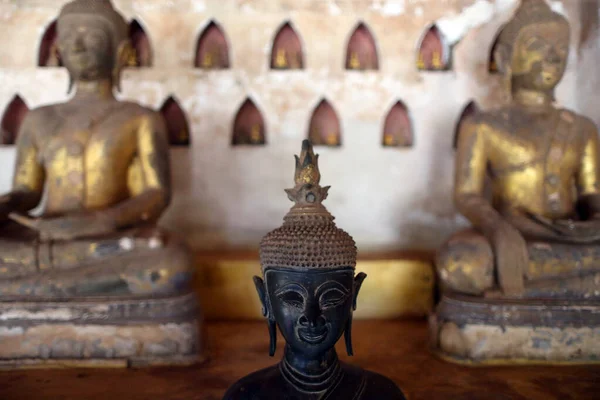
(93, 40)
(309, 288)
(533, 48)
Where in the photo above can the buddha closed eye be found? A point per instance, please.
(329, 295)
(292, 296)
(332, 295)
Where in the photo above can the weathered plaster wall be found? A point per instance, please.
(229, 197)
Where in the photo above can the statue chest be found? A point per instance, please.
(549, 147)
(87, 165)
(74, 145)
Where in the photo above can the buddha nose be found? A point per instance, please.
(312, 316)
(79, 44)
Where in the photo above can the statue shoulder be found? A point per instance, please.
(381, 387)
(38, 118)
(137, 109)
(265, 384)
(42, 114)
(584, 125)
(144, 112)
(370, 385)
(496, 118)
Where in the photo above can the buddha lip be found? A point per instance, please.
(312, 337)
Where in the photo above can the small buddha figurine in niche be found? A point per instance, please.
(103, 167)
(515, 283)
(310, 290)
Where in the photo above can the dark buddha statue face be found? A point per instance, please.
(540, 55)
(84, 43)
(311, 308)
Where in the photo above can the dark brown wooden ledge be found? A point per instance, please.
(397, 349)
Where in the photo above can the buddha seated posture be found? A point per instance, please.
(519, 279)
(310, 290)
(94, 254)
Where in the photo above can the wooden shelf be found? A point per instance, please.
(397, 349)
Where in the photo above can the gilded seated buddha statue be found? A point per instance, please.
(98, 171)
(309, 291)
(527, 178)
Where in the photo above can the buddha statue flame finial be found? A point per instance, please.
(308, 238)
(307, 192)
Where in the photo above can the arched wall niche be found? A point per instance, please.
(397, 128)
(434, 53)
(12, 118)
(286, 52)
(468, 111)
(212, 48)
(177, 125)
(361, 51)
(142, 55)
(248, 126)
(324, 128)
(48, 55)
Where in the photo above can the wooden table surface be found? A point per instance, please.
(397, 349)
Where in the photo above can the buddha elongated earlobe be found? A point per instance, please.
(272, 337)
(267, 312)
(348, 336)
(358, 281)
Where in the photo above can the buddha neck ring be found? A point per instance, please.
(328, 380)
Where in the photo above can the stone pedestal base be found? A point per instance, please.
(500, 331)
(100, 332)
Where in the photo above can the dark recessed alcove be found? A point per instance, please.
(434, 53)
(48, 55)
(212, 50)
(140, 42)
(248, 126)
(397, 129)
(286, 52)
(12, 118)
(361, 53)
(177, 124)
(469, 110)
(324, 128)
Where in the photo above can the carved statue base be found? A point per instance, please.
(100, 332)
(474, 330)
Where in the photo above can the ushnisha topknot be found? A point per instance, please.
(102, 9)
(308, 238)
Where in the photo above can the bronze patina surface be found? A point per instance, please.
(309, 291)
(536, 238)
(98, 169)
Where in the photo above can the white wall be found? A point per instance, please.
(388, 199)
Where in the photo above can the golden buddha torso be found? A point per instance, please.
(539, 166)
(109, 164)
(90, 166)
(535, 168)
